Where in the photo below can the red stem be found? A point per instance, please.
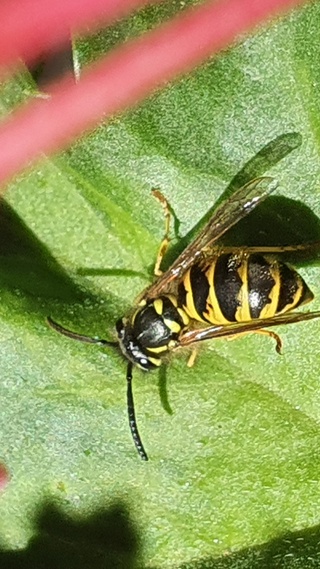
(126, 76)
(4, 476)
(30, 28)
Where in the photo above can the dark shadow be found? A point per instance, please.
(26, 264)
(163, 391)
(52, 66)
(107, 539)
(278, 221)
(272, 153)
(293, 550)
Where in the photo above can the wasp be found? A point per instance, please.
(210, 291)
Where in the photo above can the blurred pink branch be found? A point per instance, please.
(4, 476)
(126, 76)
(30, 28)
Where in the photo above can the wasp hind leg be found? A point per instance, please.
(166, 239)
(263, 332)
(273, 335)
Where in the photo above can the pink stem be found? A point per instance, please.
(4, 476)
(30, 28)
(126, 76)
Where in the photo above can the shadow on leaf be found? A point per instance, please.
(107, 539)
(27, 265)
(278, 221)
(294, 550)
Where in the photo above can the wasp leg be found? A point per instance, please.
(166, 239)
(192, 357)
(263, 332)
(273, 335)
(191, 337)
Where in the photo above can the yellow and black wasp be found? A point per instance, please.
(210, 291)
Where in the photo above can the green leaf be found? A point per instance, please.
(233, 475)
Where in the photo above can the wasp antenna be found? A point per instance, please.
(81, 338)
(132, 417)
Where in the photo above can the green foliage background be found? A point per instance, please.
(234, 470)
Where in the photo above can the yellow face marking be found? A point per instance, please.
(172, 325)
(158, 305)
(159, 349)
(155, 361)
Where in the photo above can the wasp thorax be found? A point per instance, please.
(151, 331)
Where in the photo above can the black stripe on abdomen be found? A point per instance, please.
(288, 287)
(260, 284)
(200, 289)
(227, 284)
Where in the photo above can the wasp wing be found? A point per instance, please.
(227, 214)
(194, 336)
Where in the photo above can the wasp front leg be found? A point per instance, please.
(166, 239)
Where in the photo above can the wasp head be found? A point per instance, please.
(150, 332)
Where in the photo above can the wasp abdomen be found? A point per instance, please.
(241, 287)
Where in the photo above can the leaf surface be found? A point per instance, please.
(233, 476)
